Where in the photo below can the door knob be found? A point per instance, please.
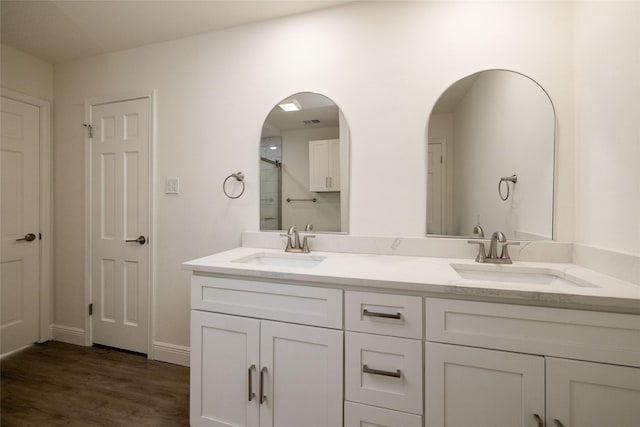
(140, 240)
(28, 237)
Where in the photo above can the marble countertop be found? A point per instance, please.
(431, 276)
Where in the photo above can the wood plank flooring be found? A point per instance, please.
(55, 384)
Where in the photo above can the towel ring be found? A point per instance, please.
(506, 179)
(240, 178)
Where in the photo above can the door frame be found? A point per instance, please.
(45, 310)
(443, 186)
(150, 95)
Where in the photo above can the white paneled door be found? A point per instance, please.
(120, 224)
(19, 224)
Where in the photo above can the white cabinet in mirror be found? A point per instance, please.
(296, 188)
(483, 130)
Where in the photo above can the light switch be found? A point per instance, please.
(172, 186)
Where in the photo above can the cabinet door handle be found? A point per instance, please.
(538, 420)
(326, 181)
(366, 312)
(368, 370)
(262, 396)
(251, 393)
(557, 422)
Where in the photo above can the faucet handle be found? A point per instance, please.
(305, 243)
(505, 250)
(481, 251)
(289, 243)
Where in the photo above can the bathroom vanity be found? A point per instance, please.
(332, 339)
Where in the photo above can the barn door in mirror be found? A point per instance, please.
(304, 165)
(491, 147)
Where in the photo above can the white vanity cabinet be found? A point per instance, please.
(467, 386)
(256, 372)
(324, 165)
(383, 360)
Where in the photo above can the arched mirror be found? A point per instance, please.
(491, 147)
(304, 165)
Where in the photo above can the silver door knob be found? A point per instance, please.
(28, 237)
(140, 240)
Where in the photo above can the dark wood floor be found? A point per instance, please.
(55, 384)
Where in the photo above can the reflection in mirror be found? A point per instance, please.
(304, 165)
(491, 144)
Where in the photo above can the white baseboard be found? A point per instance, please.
(171, 353)
(67, 334)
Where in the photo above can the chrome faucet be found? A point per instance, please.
(493, 257)
(293, 240)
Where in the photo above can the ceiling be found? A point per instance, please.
(62, 30)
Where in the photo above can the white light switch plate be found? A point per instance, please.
(172, 186)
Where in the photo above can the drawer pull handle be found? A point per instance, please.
(558, 423)
(538, 420)
(366, 312)
(368, 370)
(262, 396)
(251, 393)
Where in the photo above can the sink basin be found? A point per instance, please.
(523, 275)
(282, 260)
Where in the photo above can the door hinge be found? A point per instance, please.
(90, 309)
(90, 128)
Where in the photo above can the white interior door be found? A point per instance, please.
(120, 224)
(435, 188)
(19, 224)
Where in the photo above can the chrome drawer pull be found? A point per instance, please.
(262, 396)
(367, 370)
(366, 312)
(538, 420)
(251, 393)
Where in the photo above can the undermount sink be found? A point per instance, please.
(282, 260)
(522, 275)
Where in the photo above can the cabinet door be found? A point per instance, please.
(224, 369)
(474, 387)
(592, 394)
(302, 376)
(334, 164)
(318, 166)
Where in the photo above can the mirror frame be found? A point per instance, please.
(344, 135)
(554, 162)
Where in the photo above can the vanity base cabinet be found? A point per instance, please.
(590, 394)
(250, 372)
(473, 387)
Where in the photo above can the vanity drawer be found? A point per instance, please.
(384, 314)
(357, 415)
(384, 371)
(288, 303)
(575, 334)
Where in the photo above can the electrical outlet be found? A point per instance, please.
(172, 186)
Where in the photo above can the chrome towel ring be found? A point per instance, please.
(513, 179)
(240, 178)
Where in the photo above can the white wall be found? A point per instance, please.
(26, 74)
(607, 99)
(384, 64)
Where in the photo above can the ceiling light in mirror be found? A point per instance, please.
(304, 166)
(490, 161)
(290, 105)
